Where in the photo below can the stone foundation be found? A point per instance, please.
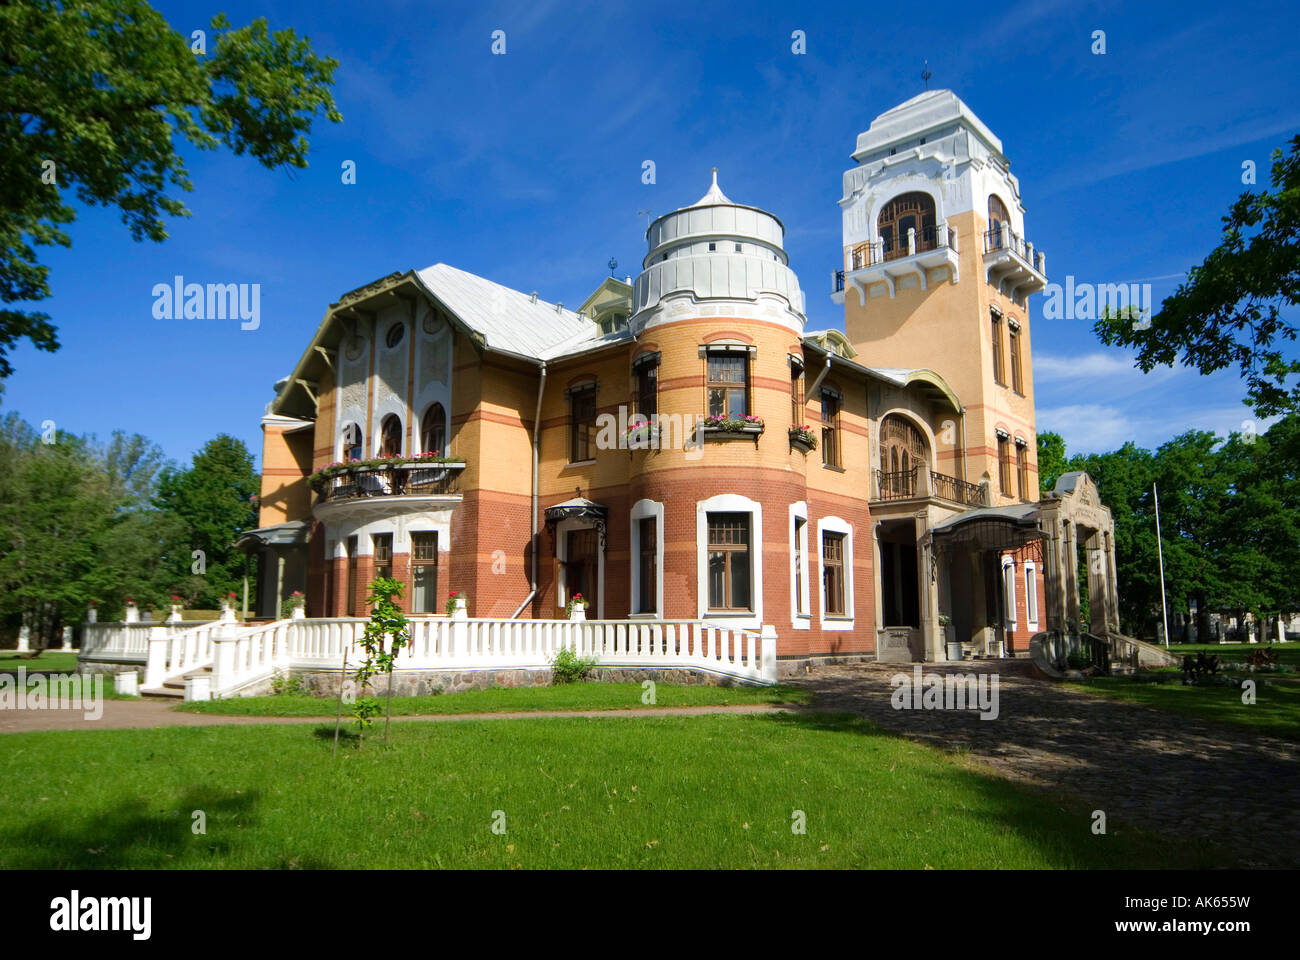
(325, 683)
(801, 666)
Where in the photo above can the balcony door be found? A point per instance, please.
(911, 211)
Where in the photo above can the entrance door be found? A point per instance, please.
(581, 567)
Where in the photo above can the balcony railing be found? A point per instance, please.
(397, 480)
(959, 491)
(1001, 237)
(905, 485)
(874, 252)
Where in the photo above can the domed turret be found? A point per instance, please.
(717, 250)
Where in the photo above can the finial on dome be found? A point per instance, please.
(715, 194)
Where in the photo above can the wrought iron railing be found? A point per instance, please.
(959, 491)
(896, 485)
(406, 479)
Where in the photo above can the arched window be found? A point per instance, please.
(997, 217)
(390, 436)
(910, 211)
(433, 430)
(903, 447)
(350, 448)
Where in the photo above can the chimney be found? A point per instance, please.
(559, 307)
(533, 297)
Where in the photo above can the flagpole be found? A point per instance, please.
(1160, 552)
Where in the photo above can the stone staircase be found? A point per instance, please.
(173, 688)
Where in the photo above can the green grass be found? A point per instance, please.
(73, 689)
(573, 696)
(52, 661)
(619, 792)
(1276, 710)
(1288, 653)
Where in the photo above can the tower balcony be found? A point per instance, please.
(1012, 264)
(880, 262)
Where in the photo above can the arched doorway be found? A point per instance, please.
(903, 448)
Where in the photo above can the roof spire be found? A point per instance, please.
(926, 74)
(715, 194)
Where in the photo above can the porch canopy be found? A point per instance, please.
(579, 508)
(989, 528)
(281, 554)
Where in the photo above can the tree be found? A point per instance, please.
(76, 525)
(1051, 461)
(92, 96)
(1229, 311)
(214, 502)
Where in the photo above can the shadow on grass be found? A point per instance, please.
(135, 834)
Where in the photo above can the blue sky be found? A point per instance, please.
(526, 168)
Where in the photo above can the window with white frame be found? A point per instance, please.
(1009, 591)
(800, 607)
(1031, 595)
(835, 572)
(647, 557)
(729, 538)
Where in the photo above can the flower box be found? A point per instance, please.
(803, 438)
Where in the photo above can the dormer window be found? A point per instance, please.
(713, 247)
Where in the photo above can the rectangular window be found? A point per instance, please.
(1031, 594)
(796, 397)
(1004, 465)
(648, 570)
(728, 386)
(1014, 335)
(999, 372)
(830, 429)
(424, 572)
(647, 385)
(351, 611)
(382, 543)
(582, 424)
(800, 601)
(1022, 469)
(833, 572)
(1009, 584)
(729, 562)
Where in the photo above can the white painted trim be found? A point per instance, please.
(1031, 593)
(800, 612)
(835, 525)
(730, 503)
(561, 553)
(1009, 590)
(643, 510)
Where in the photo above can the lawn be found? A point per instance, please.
(1287, 653)
(618, 792)
(49, 661)
(572, 696)
(1276, 710)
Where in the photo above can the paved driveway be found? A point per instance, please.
(1143, 766)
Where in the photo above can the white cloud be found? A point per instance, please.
(1088, 427)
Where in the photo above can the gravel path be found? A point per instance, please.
(1157, 770)
(129, 714)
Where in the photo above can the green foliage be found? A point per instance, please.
(386, 633)
(102, 88)
(451, 602)
(214, 501)
(1230, 523)
(1229, 311)
(77, 524)
(1051, 460)
(284, 685)
(568, 667)
(365, 710)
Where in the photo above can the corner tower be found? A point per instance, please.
(936, 274)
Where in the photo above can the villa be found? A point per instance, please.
(680, 449)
